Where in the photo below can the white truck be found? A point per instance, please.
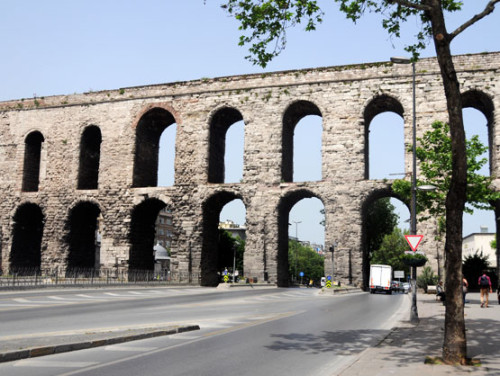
(380, 278)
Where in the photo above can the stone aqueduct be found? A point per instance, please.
(67, 160)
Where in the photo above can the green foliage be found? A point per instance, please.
(427, 278)
(380, 221)
(391, 251)
(434, 155)
(414, 259)
(267, 21)
(227, 244)
(307, 261)
(473, 267)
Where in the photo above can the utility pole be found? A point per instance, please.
(296, 247)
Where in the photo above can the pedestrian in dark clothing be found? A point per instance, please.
(498, 293)
(484, 283)
(440, 292)
(465, 287)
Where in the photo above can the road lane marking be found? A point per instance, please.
(31, 302)
(126, 348)
(184, 336)
(66, 299)
(93, 297)
(104, 330)
(7, 304)
(265, 319)
(52, 363)
(201, 338)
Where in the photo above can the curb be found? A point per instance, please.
(67, 347)
(229, 285)
(340, 290)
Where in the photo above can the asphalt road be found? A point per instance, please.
(251, 332)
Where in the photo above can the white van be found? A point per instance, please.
(380, 278)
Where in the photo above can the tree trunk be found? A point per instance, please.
(455, 345)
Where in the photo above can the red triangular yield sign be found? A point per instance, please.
(414, 241)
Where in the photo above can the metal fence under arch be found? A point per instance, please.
(31, 277)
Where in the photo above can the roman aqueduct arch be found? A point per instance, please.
(72, 163)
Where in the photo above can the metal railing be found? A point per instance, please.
(30, 277)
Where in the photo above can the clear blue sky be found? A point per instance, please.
(62, 47)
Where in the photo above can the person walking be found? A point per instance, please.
(440, 292)
(465, 287)
(484, 283)
(498, 292)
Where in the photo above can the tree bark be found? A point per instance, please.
(455, 345)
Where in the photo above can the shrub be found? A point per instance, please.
(426, 278)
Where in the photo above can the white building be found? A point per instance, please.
(234, 229)
(478, 242)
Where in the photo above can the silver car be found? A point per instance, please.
(406, 287)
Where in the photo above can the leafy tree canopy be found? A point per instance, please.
(434, 155)
(264, 23)
(227, 247)
(380, 221)
(303, 258)
(391, 251)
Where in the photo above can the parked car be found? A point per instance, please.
(406, 287)
(395, 286)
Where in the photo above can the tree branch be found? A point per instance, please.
(412, 5)
(490, 7)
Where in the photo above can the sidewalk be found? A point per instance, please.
(405, 349)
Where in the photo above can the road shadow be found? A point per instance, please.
(402, 346)
(341, 342)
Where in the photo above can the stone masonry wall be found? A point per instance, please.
(342, 95)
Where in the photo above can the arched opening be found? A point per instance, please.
(233, 159)
(387, 147)
(83, 237)
(164, 229)
(299, 225)
(383, 215)
(147, 145)
(32, 160)
(90, 154)
(232, 238)
(384, 138)
(166, 165)
(220, 123)
(308, 149)
(142, 234)
(478, 113)
(216, 255)
(25, 255)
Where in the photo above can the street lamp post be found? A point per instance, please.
(332, 249)
(234, 263)
(296, 246)
(413, 200)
